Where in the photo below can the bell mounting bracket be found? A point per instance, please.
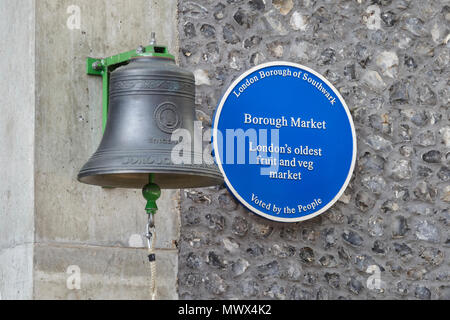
(104, 66)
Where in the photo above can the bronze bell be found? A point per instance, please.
(149, 98)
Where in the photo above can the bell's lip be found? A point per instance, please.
(166, 179)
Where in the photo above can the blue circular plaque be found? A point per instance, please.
(284, 141)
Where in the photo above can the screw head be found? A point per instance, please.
(97, 65)
(140, 50)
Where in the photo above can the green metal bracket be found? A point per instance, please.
(104, 67)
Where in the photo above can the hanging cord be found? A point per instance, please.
(151, 238)
(151, 193)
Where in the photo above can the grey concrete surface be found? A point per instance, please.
(68, 132)
(105, 272)
(17, 107)
(71, 224)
